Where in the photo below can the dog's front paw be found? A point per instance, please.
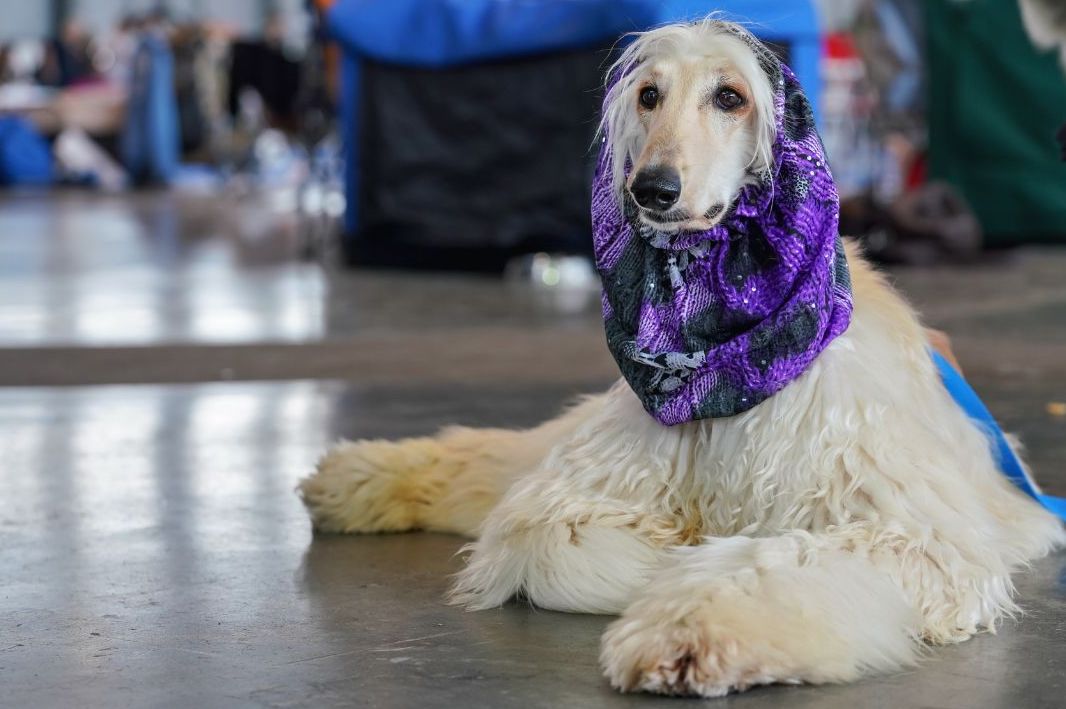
(685, 659)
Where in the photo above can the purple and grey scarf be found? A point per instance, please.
(710, 324)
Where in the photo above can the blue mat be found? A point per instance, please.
(967, 398)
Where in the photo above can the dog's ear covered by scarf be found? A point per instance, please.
(709, 324)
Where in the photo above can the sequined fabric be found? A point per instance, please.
(709, 324)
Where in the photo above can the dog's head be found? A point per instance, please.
(690, 113)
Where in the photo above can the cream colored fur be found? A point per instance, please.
(714, 152)
(826, 533)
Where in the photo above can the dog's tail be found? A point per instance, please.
(445, 483)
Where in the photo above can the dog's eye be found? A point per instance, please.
(728, 99)
(649, 97)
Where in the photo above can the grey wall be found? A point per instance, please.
(24, 19)
(33, 18)
(99, 15)
(837, 15)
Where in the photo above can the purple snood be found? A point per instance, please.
(709, 324)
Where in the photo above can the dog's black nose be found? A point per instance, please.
(657, 187)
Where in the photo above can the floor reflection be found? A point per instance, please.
(153, 550)
(88, 269)
(155, 495)
(149, 268)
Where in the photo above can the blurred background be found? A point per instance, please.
(234, 171)
(194, 191)
(234, 231)
(324, 190)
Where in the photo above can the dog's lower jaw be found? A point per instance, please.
(690, 226)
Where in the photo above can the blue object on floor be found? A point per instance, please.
(25, 158)
(446, 33)
(967, 398)
(151, 142)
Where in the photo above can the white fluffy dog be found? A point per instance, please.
(828, 532)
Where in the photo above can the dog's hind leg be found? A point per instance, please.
(444, 483)
(592, 557)
(585, 529)
(738, 611)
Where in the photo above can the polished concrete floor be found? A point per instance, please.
(170, 369)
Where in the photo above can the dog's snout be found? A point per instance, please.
(657, 187)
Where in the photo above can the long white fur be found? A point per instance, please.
(826, 533)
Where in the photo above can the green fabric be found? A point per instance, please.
(995, 104)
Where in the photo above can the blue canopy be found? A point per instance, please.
(442, 33)
(447, 32)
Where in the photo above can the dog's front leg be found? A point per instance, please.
(585, 529)
(583, 555)
(737, 612)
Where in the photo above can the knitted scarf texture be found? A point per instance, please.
(709, 324)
